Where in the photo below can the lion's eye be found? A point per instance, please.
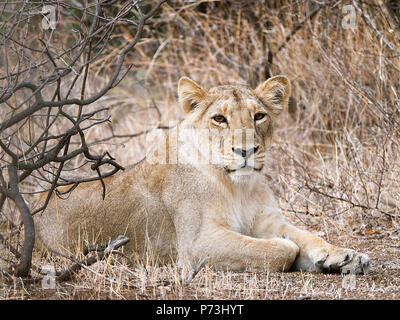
(259, 116)
(219, 119)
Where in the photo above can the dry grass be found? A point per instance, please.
(114, 280)
(334, 163)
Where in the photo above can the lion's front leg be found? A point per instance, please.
(315, 253)
(228, 250)
(318, 255)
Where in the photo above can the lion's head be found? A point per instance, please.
(233, 124)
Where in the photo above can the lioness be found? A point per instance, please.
(201, 194)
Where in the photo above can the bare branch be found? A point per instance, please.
(99, 255)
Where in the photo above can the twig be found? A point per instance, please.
(195, 271)
(100, 255)
(356, 205)
(296, 28)
(372, 24)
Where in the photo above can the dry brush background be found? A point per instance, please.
(334, 163)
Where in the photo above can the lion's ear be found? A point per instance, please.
(274, 93)
(190, 94)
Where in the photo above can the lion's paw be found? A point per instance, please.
(333, 259)
(345, 261)
(356, 263)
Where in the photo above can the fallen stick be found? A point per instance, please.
(195, 271)
(99, 255)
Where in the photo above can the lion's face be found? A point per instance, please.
(233, 125)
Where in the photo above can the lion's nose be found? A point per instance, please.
(245, 153)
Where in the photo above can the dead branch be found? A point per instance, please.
(98, 256)
(195, 271)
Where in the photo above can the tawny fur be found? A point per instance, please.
(190, 198)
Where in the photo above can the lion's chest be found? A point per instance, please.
(241, 212)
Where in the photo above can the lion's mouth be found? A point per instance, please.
(245, 166)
